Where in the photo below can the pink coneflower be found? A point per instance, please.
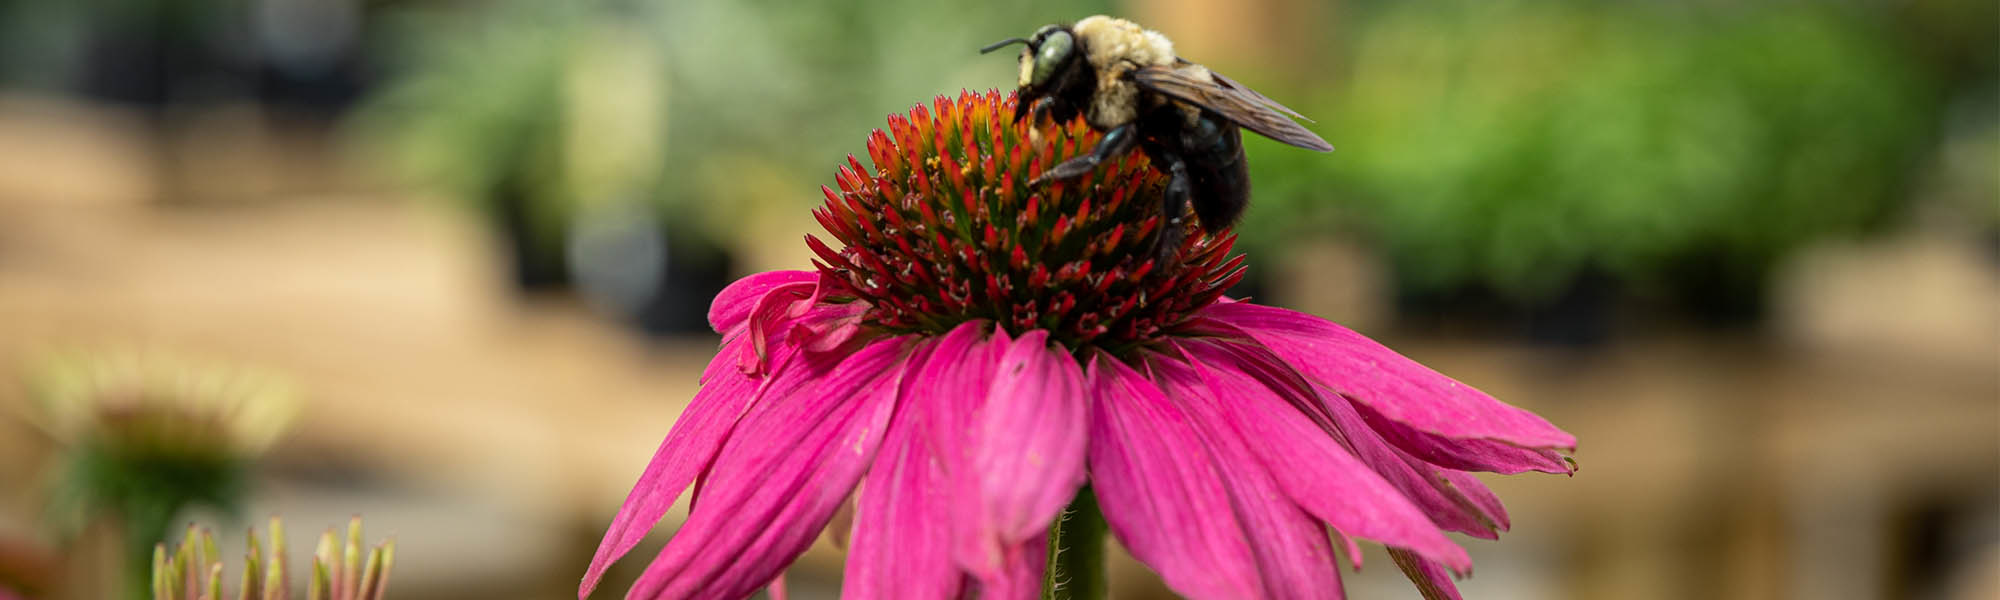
(980, 354)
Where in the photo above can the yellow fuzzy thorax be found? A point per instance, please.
(1113, 46)
(1112, 40)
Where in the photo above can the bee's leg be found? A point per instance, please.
(1033, 108)
(1040, 119)
(1173, 207)
(1115, 143)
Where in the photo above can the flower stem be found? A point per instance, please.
(1076, 552)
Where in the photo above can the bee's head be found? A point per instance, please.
(1052, 64)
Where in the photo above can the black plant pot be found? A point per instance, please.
(141, 58)
(653, 273)
(1719, 289)
(1580, 315)
(695, 271)
(536, 260)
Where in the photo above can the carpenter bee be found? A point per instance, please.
(1128, 84)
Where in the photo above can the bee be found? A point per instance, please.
(1128, 84)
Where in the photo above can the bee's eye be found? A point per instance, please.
(1053, 53)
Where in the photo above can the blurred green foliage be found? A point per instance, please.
(40, 42)
(50, 45)
(738, 102)
(1513, 146)
(476, 106)
(1509, 146)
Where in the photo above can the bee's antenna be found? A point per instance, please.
(1002, 44)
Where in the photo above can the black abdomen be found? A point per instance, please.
(1220, 176)
(1211, 148)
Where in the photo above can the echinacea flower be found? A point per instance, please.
(193, 570)
(978, 351)
(146, 434)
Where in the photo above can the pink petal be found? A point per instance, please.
(1294, 554)
(1431, 579)
(830, 326)
(1161, 494)
(902, 541)
(1348, 547)
(1393, 385)
(772, 318)
(1454, 500)
(1464, 454)
(1027, 445)
(1423, 483)
(687, 449)
(793, 458)
(1475, 497)
(1020, 572)
(955, 380)
(732, 307)
(954, 383)
(1426, 485)
(1307, 463)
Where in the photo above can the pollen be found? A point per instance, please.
(946, 228)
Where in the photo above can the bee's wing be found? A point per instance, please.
(1196, 85)
(1231, 83)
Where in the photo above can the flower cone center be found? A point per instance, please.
(947, 228)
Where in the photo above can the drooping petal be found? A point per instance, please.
(1464, 454)
(1345, 544)
(902, 533)
(1464, 506)
(1027, 445)
(1294, 554)
(1308, 463)
(1423, 483)
(732, 307)
(687, 449)
(1395, 386)
(1431, 579)
(1020, 573)
(770, 320)
(793, 458)
(1159, 489)
(1476, 497)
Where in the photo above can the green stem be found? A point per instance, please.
(1076, 552)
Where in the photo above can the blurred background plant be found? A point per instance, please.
(341, 568)
(1749, 252)
(146, 436)
(624, 147)
(1528, 152)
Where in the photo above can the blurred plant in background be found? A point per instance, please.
(533, 112)
(146, 436)
(298, 57)
(41, 41)
(194, 569)
(1682, 150)
(631, 148)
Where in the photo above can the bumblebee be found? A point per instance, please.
(1128, 84)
